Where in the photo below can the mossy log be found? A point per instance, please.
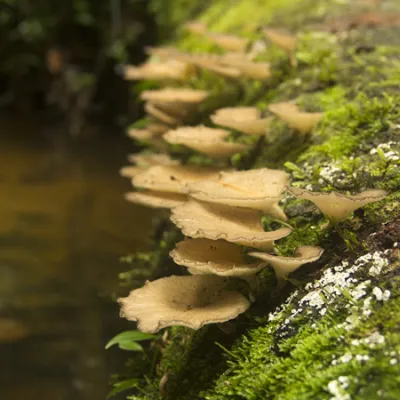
(334, 331)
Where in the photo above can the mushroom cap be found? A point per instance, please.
(237, 225)
(161, 115)
(172, 95)
(195, 27)
(167, 70)
(140, 134)
(157, 129)
(284, 40)
(213, 64)
(155, 199)
(163, 52)
(244, 119)
(283, 266)
(248, 68)
(228, 42)
(290, 113)
(218, 257)
(130, 171)
(146, 160)
(260, 189)
(172, 178)
(191, 301)
(337, 206)
(209, 141)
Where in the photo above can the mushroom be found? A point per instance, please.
(195, 27)
(130, 171)
(244, 119)
(337, 206)
(237, 225)
(145, 160)
(140, 134)
(248, 68)
(154, 199)
(213, 64)
(260, 189)
(284, 40)
(283, 266)
(218, 257)
(175, 95)
(160, 115)
(228, 42)
(157, 128)
(172, 178)
(300, 120)
(209, 141)
(191, 301)
(167, 70)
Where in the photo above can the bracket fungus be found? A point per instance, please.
(205, 140)
(146, 160)
(283, 266)
(130, 171)
(248, 68)
(191, 301)
(156, 199)
(337, 206)
(195, 27)
(167, 70)
(160, 115)
(300, 120)
(286, 41)
(236, 225)
(218, 257)
(172, 95)
(243, 119)
(228, 42)
(259, 189)
(172, 178)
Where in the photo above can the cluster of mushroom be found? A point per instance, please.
(220, 212)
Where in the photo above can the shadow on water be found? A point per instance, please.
(63, 225)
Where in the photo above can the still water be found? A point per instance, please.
(63, 226)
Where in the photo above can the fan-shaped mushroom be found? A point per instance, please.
(167, 70)
(156, 199)
(244, 119)
(172, 178)
(283, 266)
(172, 95)
(337, 206)
(218, 257)
(237, 225)
(260, 189)
(209, 141)
(160, 115)
(146, 160)
(191, 301)
(284, 40)
(290, 113)
(228, 42)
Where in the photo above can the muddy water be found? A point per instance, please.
(63, 225)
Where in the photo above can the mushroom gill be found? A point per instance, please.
(175, 95)
(283, 266)
(300, 120)
(146, 160)
(191, 301)
(228, 42)
(172, 178)
(244, 119)
(155, 199)
(130, 171)
(337, 206)
(248, 68)
(205, 140)
(218, 257)
(236, 225)
(160, 115)
(259, 189)
(167, 70)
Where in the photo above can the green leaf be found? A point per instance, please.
(124, 339)
(123, 385)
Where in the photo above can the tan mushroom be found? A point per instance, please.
(209, 141)
(175, 95)
(140, 134)
(167, 70)
(130, 171)
(337, 206)
(214, 65)
(283, 266)
(218, 257)
(237, 225)
(248, 68)
(260, 189)
(284, 40)
(300, 120)
(191, 301)
(244, 119)
(157, 129)
(228, 42)
(162, 52)
(146, 160)
(172, 178)
(155, 199)
(161, 115)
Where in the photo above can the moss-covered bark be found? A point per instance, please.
(334, 333)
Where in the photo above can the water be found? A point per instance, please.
(63, 225)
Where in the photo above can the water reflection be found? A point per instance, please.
(63, 225)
